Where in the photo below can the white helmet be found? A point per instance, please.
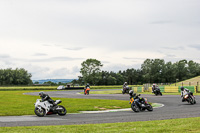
(131, 92)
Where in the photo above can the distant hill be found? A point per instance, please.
(53, 80)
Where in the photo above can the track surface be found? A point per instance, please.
(173, 108)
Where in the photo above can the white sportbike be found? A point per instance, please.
(46, 108)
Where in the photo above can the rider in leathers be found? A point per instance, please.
(154, 87)
(133, 95)
(125, 86)
(185, 91)
(45, 97)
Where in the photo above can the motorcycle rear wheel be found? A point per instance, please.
(62, 112)
(39, 112)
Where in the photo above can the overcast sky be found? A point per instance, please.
(51, 38)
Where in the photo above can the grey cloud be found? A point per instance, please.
(160, 22)
(105, 62)
(46, 73)
(3, 56)
(195, 46)
(6, 59)
(52, 59)
(174, 48)
(170, 56)
(55, 59)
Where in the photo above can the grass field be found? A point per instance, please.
(15, 103)
(28, 88)
(184, 125)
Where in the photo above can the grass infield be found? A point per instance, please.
(16, 103)
(183, 125)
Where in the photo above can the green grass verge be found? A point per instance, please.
(28, 88)
(15, 103)
(183, 125)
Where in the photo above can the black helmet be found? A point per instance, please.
(182, 88)
(41, 93)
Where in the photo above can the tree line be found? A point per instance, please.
(151, 71)
(15, 77)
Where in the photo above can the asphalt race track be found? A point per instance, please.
(173, 108)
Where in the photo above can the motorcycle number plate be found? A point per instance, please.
(131, 100)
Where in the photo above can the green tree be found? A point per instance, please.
(181, 70)
(193, 69)
(91, 71)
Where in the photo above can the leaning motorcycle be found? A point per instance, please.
(140, 104)
(43, 108)
(157, 91)
(126, 90)
(189, 98)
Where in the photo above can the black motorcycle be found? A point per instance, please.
(140, 104)
(157, 91)
(126, 90)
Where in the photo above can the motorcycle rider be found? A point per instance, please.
(185, 91)
(139, 100)
(153, 87)
(132, 94)
(125, 86)
(46, 97)
(86, 86)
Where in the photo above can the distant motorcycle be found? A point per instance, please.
(157, 91)
(46, 108)
(86, 91)
(189, 98)
(140, 104)
(126, 90)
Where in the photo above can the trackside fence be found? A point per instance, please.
(173, 88)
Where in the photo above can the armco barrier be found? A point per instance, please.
(191, 88)
(174, 88)
(171, 88)
(138, 89)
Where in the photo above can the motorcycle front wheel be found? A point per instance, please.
(191, 100)
(40, 112)
(149, 107)
(63, 111)
(134, 108)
